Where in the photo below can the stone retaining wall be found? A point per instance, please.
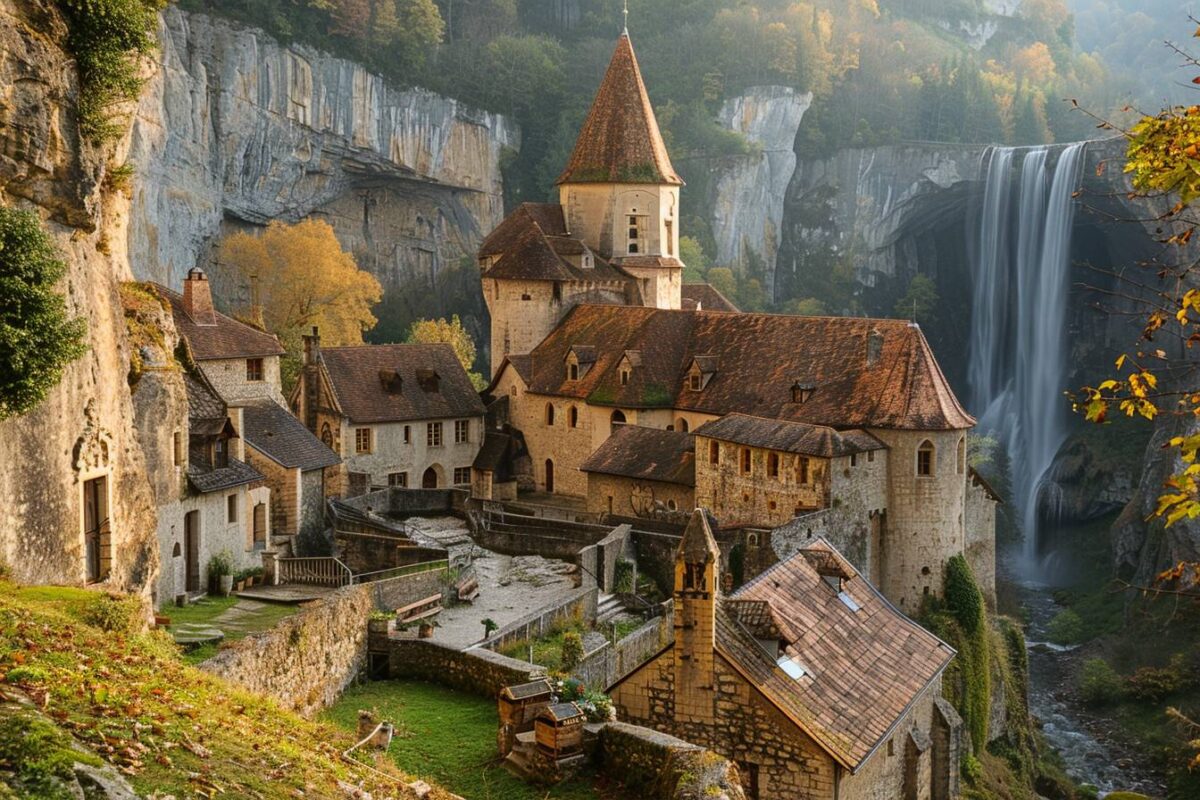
(580, 605)
(654, 765)
(307, 660)
(477, 671)
(606, 665)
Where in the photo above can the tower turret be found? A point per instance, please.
(619, 192)
(697, 564)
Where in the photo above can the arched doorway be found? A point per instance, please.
(549, 476)
(430, 479)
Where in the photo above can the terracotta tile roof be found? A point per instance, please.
(227, 339)
(862, 669)
(620, 141)
(276, 433)
(356, 375)
(757, 359)
(705, 297)
(646, 454)
(789, 437)
(527, 251)
(206, 479)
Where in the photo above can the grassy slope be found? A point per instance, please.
(170, 727)
(207, 610)
(448, 737)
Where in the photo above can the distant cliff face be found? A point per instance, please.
(750, 191)
(235, 130)
(85, 429)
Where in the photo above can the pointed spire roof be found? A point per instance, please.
(620, 141)
(698, 544)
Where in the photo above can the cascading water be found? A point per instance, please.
(1018, 343)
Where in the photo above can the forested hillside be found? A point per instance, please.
(881, 70)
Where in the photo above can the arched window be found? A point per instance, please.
(617, 420)
(962, 455)
(714, 452)
(549, 413)
(573, 417)
(682, 425)
(925, 456)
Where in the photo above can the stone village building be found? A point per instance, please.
(401, 415)
(806, 677)
(590, 333)
(236, 377)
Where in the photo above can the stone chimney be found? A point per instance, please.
(310, 381)
(197, 298)
(874, 347)
(312, 347)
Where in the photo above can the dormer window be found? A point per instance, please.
(579, 360)
(625, 377)
(695, 380)
(220, 457)
(391, 381)
(572, 372)
(589, 260)
(428, 380)
(802, 392)
(701, 372)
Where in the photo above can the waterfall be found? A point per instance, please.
(1018, 343)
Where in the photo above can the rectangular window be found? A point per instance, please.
(773, 465)
(746, 461)
(670, 237)
(260, 526)
(573, 372)
(854, 459)
(433, 434)
(177, 448)
(925, 462)
(408, 434)
(462, 431)
(220, 453)
(802, 471)
(636, 234)
(714, 453)
(231, 507)
(398, 479)
(254, 369)
(462, 476)
(363, 441)
(870, 456)
(694, 381)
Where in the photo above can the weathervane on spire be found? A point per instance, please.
(626, 31)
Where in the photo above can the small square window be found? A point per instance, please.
(363, 441)
(254, 369)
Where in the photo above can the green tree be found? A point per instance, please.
(695, 260)
(451, 332)
(806, 307)
(920, 302)
(723, 280)
(38, 339)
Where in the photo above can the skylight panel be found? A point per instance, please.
(849, 601)
(792, 668)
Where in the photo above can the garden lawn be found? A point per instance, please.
(446, 737)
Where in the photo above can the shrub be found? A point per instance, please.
(572, 650)
(107, 38)
(964, 603)
(972, 770)
(1066, 628)
(623, 576)
(26, 676)
(1152, 684)
(37, 338)
(220, 565)
(596, 706)
(1099, 684)
(115, 613)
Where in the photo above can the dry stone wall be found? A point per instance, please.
(478, 671)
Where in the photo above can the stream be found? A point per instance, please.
(1090, 751)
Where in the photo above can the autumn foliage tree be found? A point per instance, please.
(303, 278)
(451, 332)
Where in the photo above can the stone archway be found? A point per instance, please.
(431, 479)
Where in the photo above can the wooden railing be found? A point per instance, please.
(315, 571)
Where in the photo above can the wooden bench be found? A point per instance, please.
(421, 609)
(468, 589)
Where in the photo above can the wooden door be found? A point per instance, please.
(96, 531)
(430, 479)
(191, 551)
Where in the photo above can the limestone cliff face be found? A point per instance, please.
(751, 190)
(85, 428)
(236, 129)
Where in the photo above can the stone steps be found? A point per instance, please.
(609, 608)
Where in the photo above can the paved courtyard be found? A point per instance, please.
(510, 587)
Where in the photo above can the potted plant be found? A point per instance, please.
(377, 623)
(254, 576)
(489, 625)
(425, 631)
(239, 580)
(220, 573)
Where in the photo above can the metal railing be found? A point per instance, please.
(400, 572)
(325, 571)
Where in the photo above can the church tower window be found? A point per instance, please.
(637, 234)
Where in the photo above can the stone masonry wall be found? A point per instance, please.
(980, 528)
(755, 498)
(478, 671)
(307, 660)
(656, 765)
(629, 497)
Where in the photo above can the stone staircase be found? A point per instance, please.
(608, 608)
